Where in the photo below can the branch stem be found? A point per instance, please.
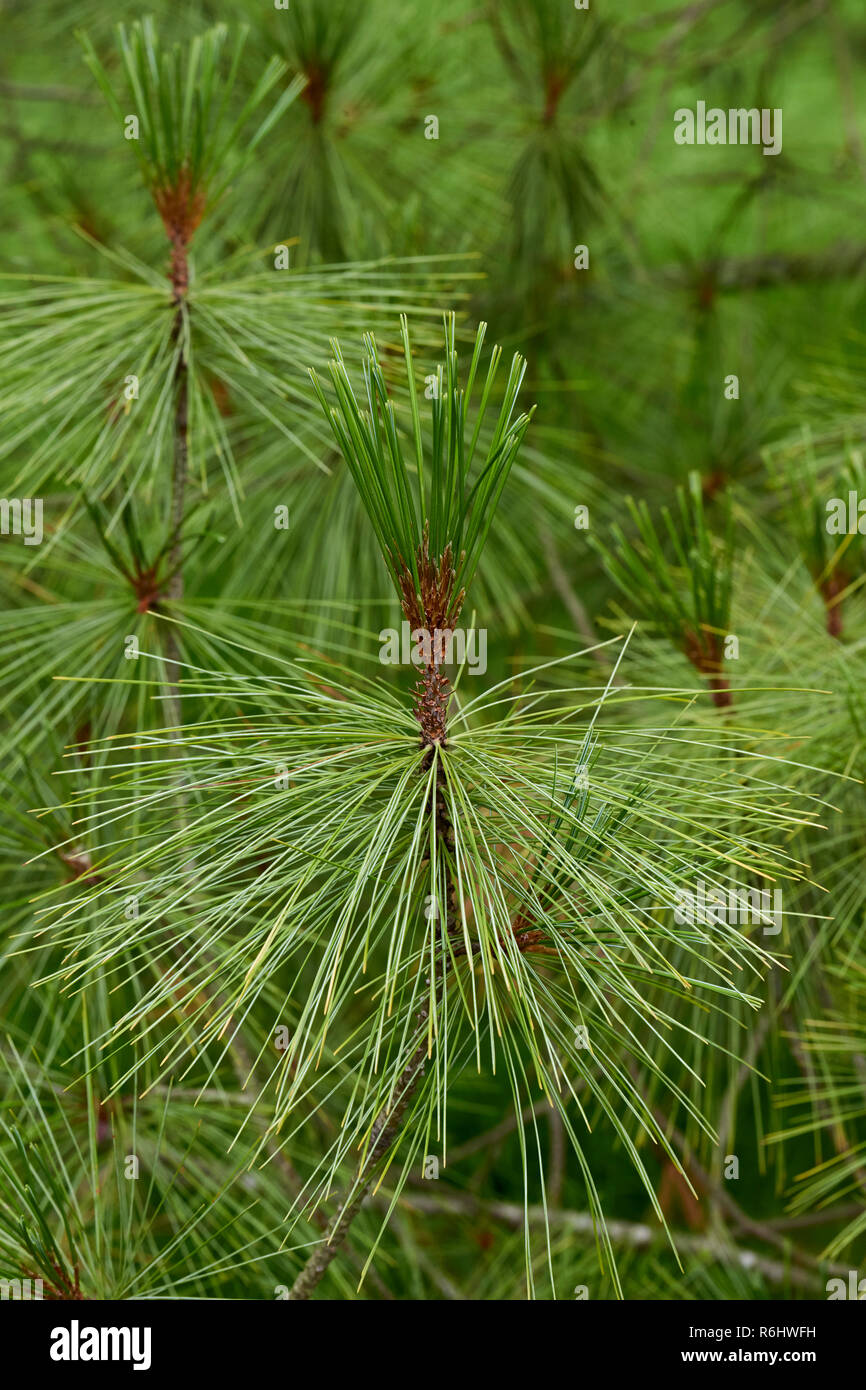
(386, 1127)
(431, 706)
(179, 283)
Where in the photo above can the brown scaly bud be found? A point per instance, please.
(704, 652)
(432, 694)
(62, 1289)
(181, 208)
(80, 866)
(148, 589)
(432, 606)
(315, 94)
(831, 588)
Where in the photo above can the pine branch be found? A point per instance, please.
(180, 459)
(636, 1235)
(728, 275)
(438, 607)
(385, 1130)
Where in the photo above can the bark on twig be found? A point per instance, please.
(635, 1234)
(181, 208)
(386, 1127)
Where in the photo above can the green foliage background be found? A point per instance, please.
(555, 130)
